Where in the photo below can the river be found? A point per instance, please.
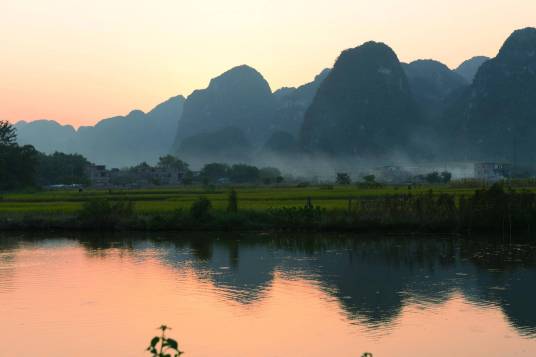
(266, 295)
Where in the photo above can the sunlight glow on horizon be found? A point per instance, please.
(78, 62)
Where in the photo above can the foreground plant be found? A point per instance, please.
(161, 346)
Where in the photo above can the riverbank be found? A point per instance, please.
(496, 210)
(167, 200)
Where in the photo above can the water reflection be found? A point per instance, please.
(373, 280)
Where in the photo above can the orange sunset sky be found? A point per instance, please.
(79, 61)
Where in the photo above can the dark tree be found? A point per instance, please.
(188, 177)
(433, 177)
(8, 133)
(242, 173)
(17, 166)
(170, 161)
(17, 163)
(269, 175)
(446, 177)
(343, 178)
(214, 171)
(60, 168)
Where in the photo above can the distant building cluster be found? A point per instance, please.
(492, 171)
(484, 171)
(140, 176)
(145, 175)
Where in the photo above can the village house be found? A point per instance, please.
(98, 175)
(392, 174)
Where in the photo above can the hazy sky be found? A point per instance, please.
(78, 61)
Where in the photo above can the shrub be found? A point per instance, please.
(200, 209)
(232, 205)
(343, 178)
(467, 183)
(369, 181)
(497, 209)
(102, 213)
(446, 177)
(296, 217)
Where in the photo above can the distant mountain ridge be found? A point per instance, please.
(46, 135)
(469, 68)
(369, 105)
(292, 103)
(432, 83)
(118, 141)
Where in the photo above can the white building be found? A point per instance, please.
(492, 171)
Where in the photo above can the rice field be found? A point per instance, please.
(166, 200)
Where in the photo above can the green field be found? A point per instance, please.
(165, 200)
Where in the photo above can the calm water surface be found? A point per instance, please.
(266, 295)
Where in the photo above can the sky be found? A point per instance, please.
(79, 61)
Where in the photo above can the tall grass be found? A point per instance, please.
(494, 209)
(105, 214)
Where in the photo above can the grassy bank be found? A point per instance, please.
(441, 209)
(162, 201)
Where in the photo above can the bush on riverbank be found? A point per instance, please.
(200, 210)
(106, 214)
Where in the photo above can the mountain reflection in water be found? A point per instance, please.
(372, 282)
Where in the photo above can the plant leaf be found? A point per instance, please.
(154, 341)
(172, 343)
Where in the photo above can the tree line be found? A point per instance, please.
(239, 173)
(24, 167)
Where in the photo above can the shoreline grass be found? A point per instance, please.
(425, 209)
(168, 199)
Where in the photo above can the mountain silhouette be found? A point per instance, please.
(495, 118)
(239, 98)
(368, 106)
(363, 108)
(281, 143)
(292, 103)
(432, 83)
(469, 68)
(46, 135)
(228, 144)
